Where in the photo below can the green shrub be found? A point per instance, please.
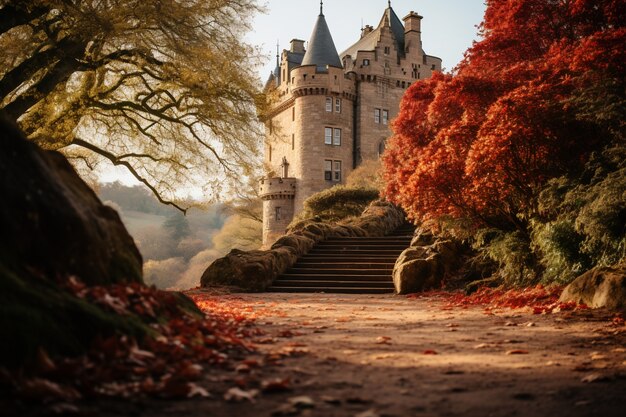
(582, 221)
(517, 265)
(336, 204)
(558, 247)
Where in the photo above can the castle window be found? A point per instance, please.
(328, 135)
(293, 114)
(366, 62)
(293, 141)
(381, 148)
(433, 67)
(376, 115)
(278, 214)
(338, 105)
(329, 104)
(270, 153)
(387, 50)
(332, 170)
(328, 170)
(385, 116)
(337, 171)
(337, 137)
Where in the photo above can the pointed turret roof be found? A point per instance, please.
(321, 50)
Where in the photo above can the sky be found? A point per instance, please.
(448, 27)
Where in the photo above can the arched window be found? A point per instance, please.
(381, 147)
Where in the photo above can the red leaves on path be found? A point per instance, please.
(177, 351)
(540, 299)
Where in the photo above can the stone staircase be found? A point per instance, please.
(348, 265)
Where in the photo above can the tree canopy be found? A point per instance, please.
(522, 150)
(531, 101)
(165, 88)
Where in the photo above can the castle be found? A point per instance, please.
(330, 112)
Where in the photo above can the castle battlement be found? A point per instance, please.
(277, 188)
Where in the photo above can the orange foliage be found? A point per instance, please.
(480, 144)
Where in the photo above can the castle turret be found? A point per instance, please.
(278, 204)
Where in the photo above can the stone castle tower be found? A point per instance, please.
(331, 111)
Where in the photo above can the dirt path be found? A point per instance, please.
(390, 356)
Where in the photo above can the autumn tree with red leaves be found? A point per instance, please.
(539, 97)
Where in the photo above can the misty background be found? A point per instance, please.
(177, 248)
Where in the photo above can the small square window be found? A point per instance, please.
(337, 137)
(329, 104)
(337, 171)
(328, 170)
(366, 62)
(328, 135)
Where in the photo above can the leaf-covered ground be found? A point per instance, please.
(436, 354)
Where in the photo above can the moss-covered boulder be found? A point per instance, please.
(55, 228)
(599, 287)
(249, 270)
(426, 264)
(54, 223)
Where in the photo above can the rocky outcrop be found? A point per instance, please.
(53, 227)
(52, 222)
(426, 263)
(256, 270)
(599, 287)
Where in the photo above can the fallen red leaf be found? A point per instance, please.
(517, 352)
(276, 385)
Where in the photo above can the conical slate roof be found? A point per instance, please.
(321, 50)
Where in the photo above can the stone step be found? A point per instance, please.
(338, 271)
(313, 276)
(359, 246)
(364, 241)
(332, 290)
(333, 283)
(312, 257)
(365, 264)
(379, 252)
(348, 265)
